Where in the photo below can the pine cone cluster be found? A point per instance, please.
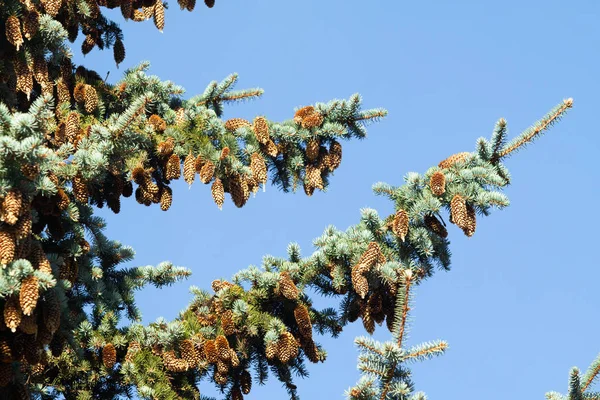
(308, 117)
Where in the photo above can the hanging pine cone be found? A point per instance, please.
(6, 374)
(88, 44)
(227, 323)
(30, 348)
(139, 175)
(13, 31)
(160, 125)
(367, 320)
(132, 350)
(31, 23)
(238, 188)
(309, 190)
(312, 149)
(259, 168)
(80, 190)
(31, 171)
(261, 130)
(236, 393)
(470, 222)
(218, 193)
(207, 172)
(119, 48)
(287, 347)
(189, 353)
(6, 352)
(90, 101)
(127, 188)
(24, 76)
(375, 304)
(52, 6)
(109, 355)
(454, 159)
(39, 259)
(172, 363)
(224, 153)
(113, 201)
(40, 73)
(271, 350)
(335, 155)
(12, 313)
(313, 177)
(189, 172)
(72, 126)
(437, 183)
(138, 16)
(79, 92)
(166, 198)
(234, 124)
(209, 3)
(370, 257)
(220, 379)
(159, 15)
(400, 224)
(311, 351)
(126, 12)
(7, 246)
(173, 168)
(287, 287)
(271, 148)
(210, 351)
(85, 246)
(11, 206)
(245, 381)
(62, 91)
(359, 281)
(51, 313)
(29, 293)
(458, 211)
(23, 226)
(199, 163)
(435, 225)
(303, 320)
(323, 161)
(222, 346)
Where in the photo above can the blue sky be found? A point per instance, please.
(519, 307)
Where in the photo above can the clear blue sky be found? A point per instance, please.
(519, 307)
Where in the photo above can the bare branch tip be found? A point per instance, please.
(568, 102)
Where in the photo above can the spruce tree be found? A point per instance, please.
(72, 142)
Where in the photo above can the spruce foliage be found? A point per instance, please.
(71, 142)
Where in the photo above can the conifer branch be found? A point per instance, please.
(591, 374)
(402, 307)
(532, 133)
(427, 350)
